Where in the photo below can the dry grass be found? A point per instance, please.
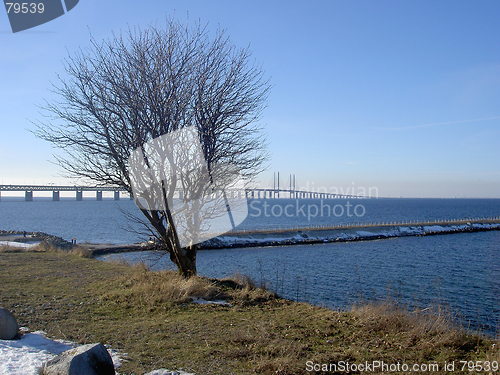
(50, 248)
(241, 289)
(155, 289)
(151, 289)
(10, 249)
(429, 335)
(390, 316)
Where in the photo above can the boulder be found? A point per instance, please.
(92, 359)
(8, 325)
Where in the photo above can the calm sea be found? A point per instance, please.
(105, 222)
(461, 271)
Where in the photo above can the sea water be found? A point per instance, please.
(106, 221)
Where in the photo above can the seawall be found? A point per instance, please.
(348, 232)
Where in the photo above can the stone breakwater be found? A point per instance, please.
(43, 238)
(358, 232)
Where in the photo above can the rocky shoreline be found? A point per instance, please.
(285, 237)
(319, 235)
(43, 238)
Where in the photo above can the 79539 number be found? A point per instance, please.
(25, 7)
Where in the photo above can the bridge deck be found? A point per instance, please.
(250, 193)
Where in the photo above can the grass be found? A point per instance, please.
(149, 316)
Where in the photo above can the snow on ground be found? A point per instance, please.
(202, 301)
(250, 239)
(27, 355)
(19, 244)
(397, 231)
(364, 233)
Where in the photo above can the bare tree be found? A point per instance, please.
(120, 94)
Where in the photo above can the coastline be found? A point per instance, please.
(277, 237)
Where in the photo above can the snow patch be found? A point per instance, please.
(27, 355)
(435, 228)
(167, 372)
(202, 301)
(19, 244)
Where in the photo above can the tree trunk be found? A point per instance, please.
(184, 259)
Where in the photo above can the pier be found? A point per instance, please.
(348, 232)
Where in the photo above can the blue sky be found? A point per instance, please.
(401, 96)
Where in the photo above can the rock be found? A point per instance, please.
(92, 359)
(8, 325)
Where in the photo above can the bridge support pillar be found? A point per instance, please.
(79, 195)
(28, 196)
(55, 195)
(98, 195)
(117, 196)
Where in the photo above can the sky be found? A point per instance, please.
(402, 98)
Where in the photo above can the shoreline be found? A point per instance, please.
(154, 318)
(280, 237)
(316, 236)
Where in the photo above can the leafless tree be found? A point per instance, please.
(121, 93)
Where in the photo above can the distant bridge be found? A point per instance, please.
(56, 189)
(248, 193)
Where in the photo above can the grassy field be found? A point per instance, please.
(150, 316)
